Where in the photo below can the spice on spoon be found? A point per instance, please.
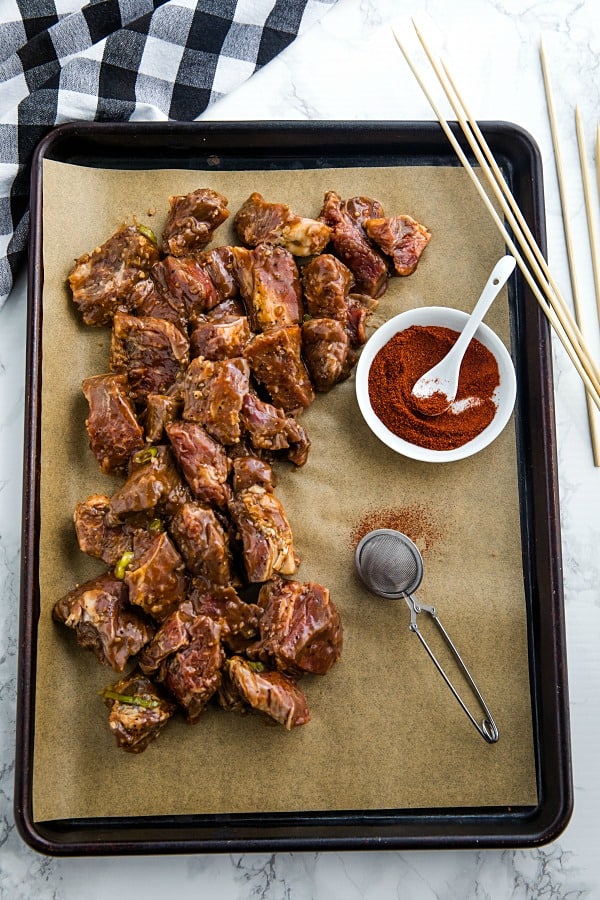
(404, 359)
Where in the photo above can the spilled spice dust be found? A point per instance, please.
(414, 521)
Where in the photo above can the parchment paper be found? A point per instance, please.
(385, 731)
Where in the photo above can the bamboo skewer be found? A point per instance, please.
(527, 236)
(589, 206)
(593, 239)
(510, 208)
(567, 331)
(566, 217)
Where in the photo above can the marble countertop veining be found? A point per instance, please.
(348, 67)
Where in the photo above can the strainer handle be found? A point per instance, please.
(487, 728)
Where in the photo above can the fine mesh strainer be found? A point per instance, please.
(391, 566)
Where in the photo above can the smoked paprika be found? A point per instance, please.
(404, 359)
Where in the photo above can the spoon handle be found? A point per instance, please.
(498, 278)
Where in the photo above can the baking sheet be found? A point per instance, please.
(385, 732)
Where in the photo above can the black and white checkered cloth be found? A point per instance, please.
(120, 60)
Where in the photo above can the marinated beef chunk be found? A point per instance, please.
(360, 308)
(269, 428)
(232, 308)
(99, 536)
(154, 484)
(95, 536)
(103, 621)
(248, 471)
(326, 283)
(259, 221)
(276, 362)
(213, 393)
(151, 352)
(193, 673)
(219, 265)
(192, 221)
(270, 286)
(300, 628)
(171, 636)
(202, 460)
(102, 281)
(327, 286)
(157, 581)
(265, 533)
(326, 351)
(112, 427)
(351, 244)
(203, 542)
(401, 238)
(223, 339)
(271, 693)
(161, 410)
(239, 620)
(189, 285)
(147, 299)
(362, 208)
(138, 712)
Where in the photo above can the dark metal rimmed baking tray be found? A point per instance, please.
(304, 146)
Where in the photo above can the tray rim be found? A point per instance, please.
(333, 830)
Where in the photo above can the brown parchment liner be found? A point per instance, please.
(385, 730)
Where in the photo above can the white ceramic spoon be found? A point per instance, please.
(436, 389)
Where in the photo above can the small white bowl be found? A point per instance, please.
(444, 317)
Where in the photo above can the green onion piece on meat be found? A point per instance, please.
(121, 566)
(156, 526)
(148, 233)
(145, 455)
(146, 702)
(255, 666)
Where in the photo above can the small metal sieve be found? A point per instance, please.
(391, 566)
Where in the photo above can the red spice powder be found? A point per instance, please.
(402, 361)
(416, 521)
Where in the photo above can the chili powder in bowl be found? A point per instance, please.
(407, 346)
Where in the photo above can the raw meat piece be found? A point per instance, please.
(151, 352)
(300, 628)
(326, 351)
(202, 460)
(248, 470)
(369, 268)
(272, 693)
(112, 426)
(161, 410)
(276, 361)
(138, 713)
(402, 238)
(103, 621)
(265, 533)
(270, 286)
(219, 264)
(223, 339)
(188, 283)
(238, 619)
(203, 543)
(213, 393)
(192, 220)
(154, 484)
(269, 428)
(326, 282)
(157, 581)
(258, 220)
(102, 281)
(193, 673)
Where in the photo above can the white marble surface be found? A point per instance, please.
(347, 67)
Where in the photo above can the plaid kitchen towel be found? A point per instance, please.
(118, 61)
